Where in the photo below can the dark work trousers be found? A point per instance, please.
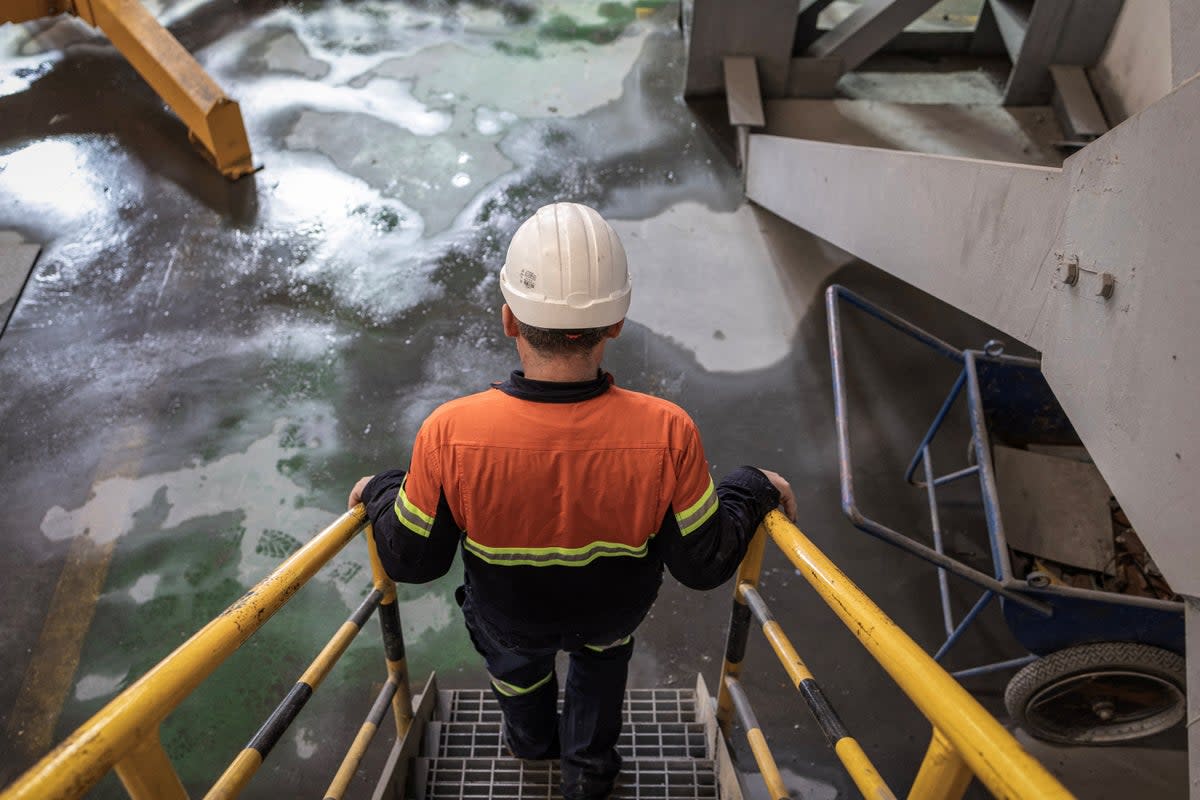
(526, 685)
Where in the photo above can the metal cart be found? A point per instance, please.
(1103, 667)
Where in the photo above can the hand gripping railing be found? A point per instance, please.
(124, 734)
(967, 741)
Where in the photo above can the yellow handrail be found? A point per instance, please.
(124, 734)
(962, 727)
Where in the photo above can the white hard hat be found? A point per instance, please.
(566, 270)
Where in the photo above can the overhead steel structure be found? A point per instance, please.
(1093, 264)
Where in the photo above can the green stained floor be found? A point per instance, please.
(197, 371)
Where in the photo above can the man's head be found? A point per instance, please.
(565, 280)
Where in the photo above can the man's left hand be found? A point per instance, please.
(356, 492)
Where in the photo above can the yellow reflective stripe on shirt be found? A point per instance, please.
(698, 513)
(512, 690)
(551, 556)
(410, 516)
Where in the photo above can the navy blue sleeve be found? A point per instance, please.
(409, 557)
(709, 555)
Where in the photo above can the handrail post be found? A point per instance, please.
(393, 640)
(147, 773)
(974, 735)
(739, 626)
(944, 774)
(776, 788)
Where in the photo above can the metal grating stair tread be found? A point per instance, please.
(641, 706)
(638, 740)
(665, 744)
(511, 779)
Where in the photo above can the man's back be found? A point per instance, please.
(555, 482)
(560, 492)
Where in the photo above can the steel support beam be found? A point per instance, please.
(719, 28)
(742, 93)
(26, 10)
(973, 233)
(1076, 105)
(1036, 42)
(1069, 32)
(867, 30)
(993, 240)
(744, 99)
(806, 23)
(214, 121)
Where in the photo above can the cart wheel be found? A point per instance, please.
(1099, 693)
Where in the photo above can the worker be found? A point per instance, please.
(567, 495)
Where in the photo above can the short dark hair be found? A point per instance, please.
(559, 342)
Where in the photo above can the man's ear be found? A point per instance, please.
(509, 321)
(614, 330)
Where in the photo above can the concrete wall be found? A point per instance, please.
(1135, 68)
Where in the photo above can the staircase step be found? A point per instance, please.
(638, 740)
(641, 706)
(511, 779)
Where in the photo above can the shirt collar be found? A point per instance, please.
(523, 388)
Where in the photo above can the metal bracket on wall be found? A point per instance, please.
(1069, 272)
(214, 121)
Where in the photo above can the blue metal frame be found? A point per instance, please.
(1012, 397)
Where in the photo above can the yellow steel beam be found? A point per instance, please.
(214, 121)
(55, 657)
(25, 10)
(991, 752)
(119, 730)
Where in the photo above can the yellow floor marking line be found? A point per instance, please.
(56, 655)
(51, 670)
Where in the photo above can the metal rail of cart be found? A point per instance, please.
(1102, 667)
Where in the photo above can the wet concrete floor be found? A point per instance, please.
(197, 371)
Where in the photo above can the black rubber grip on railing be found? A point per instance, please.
(739, 632)
(741, 704)
(366, 608)
(827, 718)
(287, 711)
(393, 637)
(283, 715)
(382, 703)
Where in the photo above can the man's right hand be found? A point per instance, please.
(356, 493)
(787, 500)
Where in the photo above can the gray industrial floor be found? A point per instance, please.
(196, 371)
